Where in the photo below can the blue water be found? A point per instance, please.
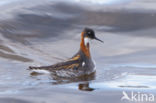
(47, 32)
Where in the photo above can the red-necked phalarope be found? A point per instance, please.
(81, 63)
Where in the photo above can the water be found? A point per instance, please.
(36, 32)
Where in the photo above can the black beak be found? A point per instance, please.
(98, 39)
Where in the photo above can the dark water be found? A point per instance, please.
(36, 32)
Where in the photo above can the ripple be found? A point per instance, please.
(133, 81)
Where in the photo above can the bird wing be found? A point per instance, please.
(72, 63)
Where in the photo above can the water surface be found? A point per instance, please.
(36, 32)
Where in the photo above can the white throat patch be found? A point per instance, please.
(86, 40)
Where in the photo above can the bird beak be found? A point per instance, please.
(98, 39)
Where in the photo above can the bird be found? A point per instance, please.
(79, 64)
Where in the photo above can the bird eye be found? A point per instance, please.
(89, 33)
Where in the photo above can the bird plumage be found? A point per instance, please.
(80, 64)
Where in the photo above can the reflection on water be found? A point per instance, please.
(63, 80)
(42, 34)
(85, 87)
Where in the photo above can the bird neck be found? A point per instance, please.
(84, 47)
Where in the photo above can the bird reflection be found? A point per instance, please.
(85, 87)
(84, 79)
(64, 80)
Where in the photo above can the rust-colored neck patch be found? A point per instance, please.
(85, 48)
